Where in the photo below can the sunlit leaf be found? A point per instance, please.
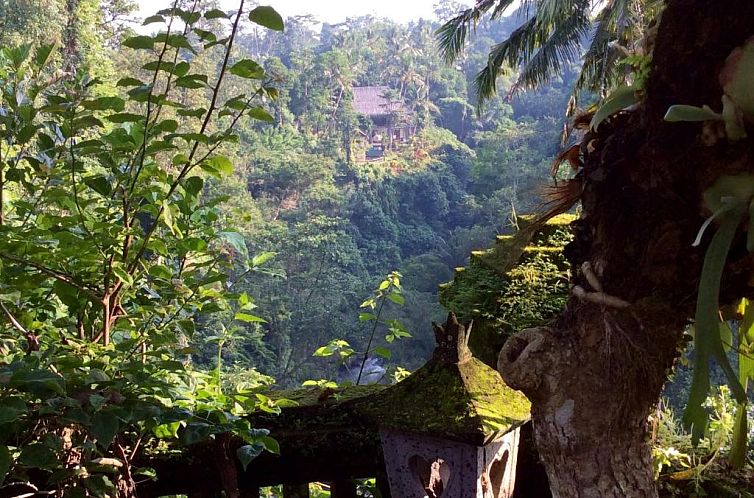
(246, 317)
(261, 115)
(620, 99)
(139, 42)
(247, 68)
(267, 16)
(215, 14)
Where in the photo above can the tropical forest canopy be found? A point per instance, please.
(197, 206)
(337, 225)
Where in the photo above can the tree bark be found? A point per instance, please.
(594, 374)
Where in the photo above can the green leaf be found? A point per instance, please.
(12, 408)
(125, 117)
(192, 113)
(195, 432)
(245, 317)
(218, 164)
(129, 82)
(189, 17)
(236, 241)
(19, 54)
(194, 185)
(367, 317)
(38, 455)
(25, 134)
(261, 115)
(397, 298)
(39, 382)
(182, 68)
(5, 462)
(139, 42)
(621, 98)
(267, 16)
(42, 57)
(323, 351)
(167, 216)
(192, 81)
(247, 68)
(726, 336)
(167, 431)
(215, 14)
(116, 104)
(99, 184)
(383, 352)
(105, 426)
(153, 19)
(100, 485)
(707, 339)
(738, 447)
(249, 452)
(270, 444)
(121, 272)
(175, 41)
(262, 258)
(205, 35)
(690, 113)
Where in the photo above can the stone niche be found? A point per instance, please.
(453, 427)
(426, 467)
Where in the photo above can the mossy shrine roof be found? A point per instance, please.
(453, 396)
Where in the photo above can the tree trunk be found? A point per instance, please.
(595, 373)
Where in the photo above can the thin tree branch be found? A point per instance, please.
(31, 339)
(63, 277)
(190, 164)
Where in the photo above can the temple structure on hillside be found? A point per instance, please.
(389, 126)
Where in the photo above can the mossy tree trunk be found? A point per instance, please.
(595, 373)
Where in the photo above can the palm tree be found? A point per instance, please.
(554, 33)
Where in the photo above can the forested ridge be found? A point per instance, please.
(338, 226)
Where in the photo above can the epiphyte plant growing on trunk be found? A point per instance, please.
(594, 373)
(108, 252)
(729, 200)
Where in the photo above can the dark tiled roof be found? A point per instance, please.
(370, 100)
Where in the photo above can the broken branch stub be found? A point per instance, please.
(524, 359)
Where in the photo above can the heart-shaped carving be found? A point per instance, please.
(497, 472)
(433, 475)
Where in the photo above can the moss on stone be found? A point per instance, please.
(466, 401)
(502, 297)
(315, 396)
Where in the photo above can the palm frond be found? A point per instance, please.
(519, 46)
(551, 12)
(562, 47)
(599, 70)
(452, 35)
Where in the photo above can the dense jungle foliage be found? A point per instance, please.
(187, 215)
(337, 227)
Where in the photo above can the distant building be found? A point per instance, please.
(388, 116)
